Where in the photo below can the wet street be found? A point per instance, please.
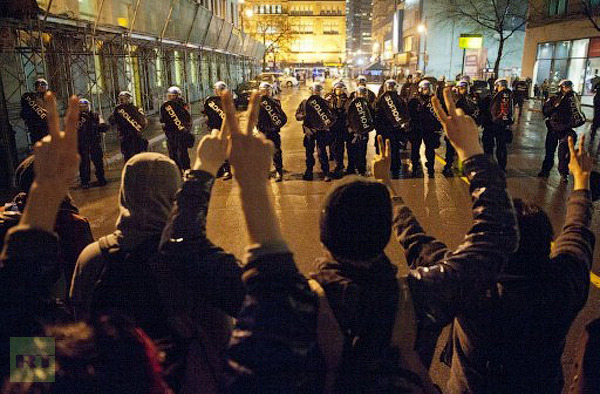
(442, 204)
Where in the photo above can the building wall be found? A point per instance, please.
(358, 31)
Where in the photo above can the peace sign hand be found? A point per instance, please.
(581, 164)
(383, 161)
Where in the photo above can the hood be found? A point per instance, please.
(149, 183)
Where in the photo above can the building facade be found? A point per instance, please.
(561, 42)
(315, 31)
(97, 48)
(359, 18)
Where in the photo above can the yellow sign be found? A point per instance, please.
(470, 41)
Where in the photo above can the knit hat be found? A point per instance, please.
(356, 220)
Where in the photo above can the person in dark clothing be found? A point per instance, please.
(466, 102)
(338, 102)
(511, 339)
(361, 81)
(271, 119)
(213, 109)
(317, 118)
(131, 122)
(33, 113)
(406, 89)
(177, 124)
(359, 281)
(72, 228)
(89, 136)
(392, 122)
(562, 112)
(596, 120)
(360, 124)
(491, 82)
(425, 128)
(497, 118)
(586, 379)
(520, 93)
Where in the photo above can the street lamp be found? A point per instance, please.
(422, 29)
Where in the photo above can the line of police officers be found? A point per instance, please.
(336, 120)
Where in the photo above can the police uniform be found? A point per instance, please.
(177, 124)
(34, 115)
(392, 121)
(213, 109)
(271, 119)
(339, 130)
(520, 94)
(360, 124)
(468, 104)
(496, 121)
(131, 122)
(425, 128)
(89, 137)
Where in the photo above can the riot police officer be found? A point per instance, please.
(89, 137)
(271, 119)
(360, 124)
(338, 101)
(317, 118)
(131, 122)
(392, 121)
(465, 101)
(425, 128)
(519, 94)
(563, 113)
(497, 117)
(361, 81)
(177, 124)
(33, 113)
(213, 109)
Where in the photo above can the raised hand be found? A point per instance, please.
(250, 156)
(212, 151)
(383, 161)
(459, 127)
(580, 164)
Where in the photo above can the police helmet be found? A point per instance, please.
(220, 86)
(125, 93)
(501, 82)
(425, 84)
(84, 103)
(40, 82)
(463, 84)
(390, 85)
(566, 83)
(316, 87)
(362, 91)
(361, 79)
(339, 85)
(265, 86)
(174, 90)
(125, 97)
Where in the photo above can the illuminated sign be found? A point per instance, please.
(470, 41)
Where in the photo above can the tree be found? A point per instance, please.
(273, 30)
(591, 10)
(502, 18)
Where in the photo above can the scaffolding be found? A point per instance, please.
(97, 55)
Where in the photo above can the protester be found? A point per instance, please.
(131, 123)
(511, 339)
(177, 124)
(563, 113)
(496, 119)
(392, 122)
(271, 119)
(425, 128)
(213, 109)
(359, 282)
(73, 229)
(339, 137)
(89, 137)
(317, 118)
(33, 112)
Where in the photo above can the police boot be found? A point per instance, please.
(308, 175)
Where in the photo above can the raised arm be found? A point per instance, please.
(274, 345)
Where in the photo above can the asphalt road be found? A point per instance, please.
(441, 204)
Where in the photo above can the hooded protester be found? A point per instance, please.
(131, 122)
(73, 229)
(177, 124)
(89, 138)
(496, 119)
(392, 121)
(360, 124)
(33, 113)
(563, 114)
(271, 119)
(425, 128)
(213, 109)
(317, 119)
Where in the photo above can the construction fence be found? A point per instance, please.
(97, 48)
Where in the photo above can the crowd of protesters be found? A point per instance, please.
(156, 307)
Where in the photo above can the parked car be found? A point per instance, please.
(243, 92)
(283, 79)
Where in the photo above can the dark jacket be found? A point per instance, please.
(596, 120)
(91, 125)
(315, 120)
(129, 119)
(271, 117)
(468, 104)
(422, 117)
(391, 114)
(371, 97)
(559, 111)
(501, 108)
(213, 109)
(32, 112)
(274, 346)
(338, 105)
(175, 117)
(511, 340)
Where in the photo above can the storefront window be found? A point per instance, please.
(562, 50)
(576, 73)
(545, 50)
(579, 48)
(542, 71)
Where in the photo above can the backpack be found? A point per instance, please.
(400, 370)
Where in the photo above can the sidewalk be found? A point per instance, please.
(153, 133)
